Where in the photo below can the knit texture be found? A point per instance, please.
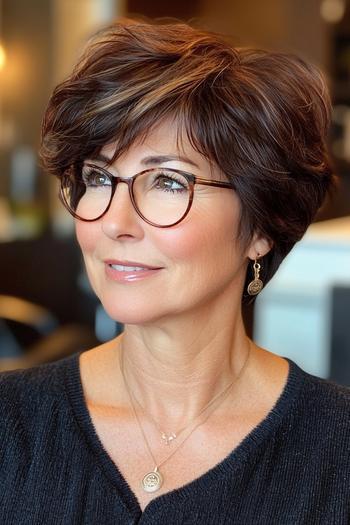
(293, 468)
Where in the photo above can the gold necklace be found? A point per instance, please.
(168, 438)
(153, 480)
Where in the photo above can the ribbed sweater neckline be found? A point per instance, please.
(230, 465)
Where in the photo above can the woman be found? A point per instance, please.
(191, 169)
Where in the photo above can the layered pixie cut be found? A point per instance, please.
(261, 117)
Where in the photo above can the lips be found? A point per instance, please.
(129, 271)
(130, 265)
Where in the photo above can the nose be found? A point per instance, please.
(121, 219)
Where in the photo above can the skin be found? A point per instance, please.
(184, 337)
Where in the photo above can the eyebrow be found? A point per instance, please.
(153, 159)
(160, 159)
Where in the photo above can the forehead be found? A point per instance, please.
(166, 139)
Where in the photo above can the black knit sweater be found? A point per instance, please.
(293, 468)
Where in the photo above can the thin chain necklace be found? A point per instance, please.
(153, 480)
(168, 438)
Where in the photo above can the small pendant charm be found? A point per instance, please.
(255, 287)
(152, 481)
(168, 438)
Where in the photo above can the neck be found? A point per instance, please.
(175, 372)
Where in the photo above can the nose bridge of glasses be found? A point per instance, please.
(117, 192)
(116, 181)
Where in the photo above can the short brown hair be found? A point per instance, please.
(261, 116)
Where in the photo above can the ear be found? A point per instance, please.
(258, 247)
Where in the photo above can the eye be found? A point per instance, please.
(94, 178)
(170, 182)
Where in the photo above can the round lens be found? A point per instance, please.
(87, 195)
(162, 195)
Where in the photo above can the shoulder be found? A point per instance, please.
(320, 413)
(34, 379)
(28, 394)
(36, 422)
(325, 397)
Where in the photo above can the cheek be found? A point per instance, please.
(86, 235)
(204, 238)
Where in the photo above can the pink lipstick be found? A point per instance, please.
(129, 271)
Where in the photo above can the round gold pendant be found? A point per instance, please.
(255, 287)
(152, 481)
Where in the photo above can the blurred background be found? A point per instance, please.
(47, 310)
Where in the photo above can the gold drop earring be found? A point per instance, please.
(256, 285)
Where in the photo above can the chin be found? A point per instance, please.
(132, 314)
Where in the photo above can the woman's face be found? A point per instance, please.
(199, 261)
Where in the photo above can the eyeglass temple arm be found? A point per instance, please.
(217, 183)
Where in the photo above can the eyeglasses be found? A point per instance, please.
(162, 197)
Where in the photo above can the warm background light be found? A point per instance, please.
(2, 57)
(332, 11)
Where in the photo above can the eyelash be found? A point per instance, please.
(88, 173)
(173, 179)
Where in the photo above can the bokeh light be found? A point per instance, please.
(2, 57)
